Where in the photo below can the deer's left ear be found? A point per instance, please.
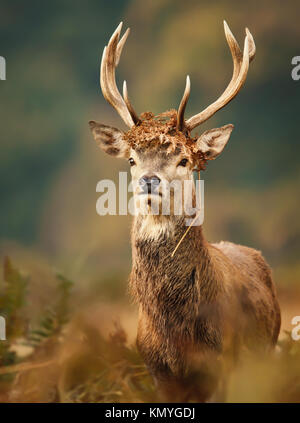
(109, 139)
(212, 142)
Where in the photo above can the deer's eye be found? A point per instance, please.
(183, 162)
(131, 161)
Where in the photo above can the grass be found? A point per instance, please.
(64, 358)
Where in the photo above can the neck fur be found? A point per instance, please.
(169, 289)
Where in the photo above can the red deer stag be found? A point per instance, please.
(200, 307)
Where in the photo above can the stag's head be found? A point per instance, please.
(161, 148)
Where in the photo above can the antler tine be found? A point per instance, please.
(237, 55)
(110, 63)
(240, 70)
(252, 48)
(110, 59)
(121, 45)
(129, 105)
(103, 68)
(183, 103)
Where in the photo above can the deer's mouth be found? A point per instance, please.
(150, 194)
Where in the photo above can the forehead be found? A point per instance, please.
(158, 140)
(159, 155)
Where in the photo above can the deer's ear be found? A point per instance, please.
(212, 142)
(110, 140)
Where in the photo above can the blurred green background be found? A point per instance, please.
(50, 165)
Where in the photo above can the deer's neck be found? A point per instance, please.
(170, 289)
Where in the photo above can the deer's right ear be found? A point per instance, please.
(109, 139)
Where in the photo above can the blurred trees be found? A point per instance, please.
(49, 165)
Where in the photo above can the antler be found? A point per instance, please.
(110, 60)
(183, 103)
(240, 70)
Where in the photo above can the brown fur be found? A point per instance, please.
(199, 309)
(203, 304)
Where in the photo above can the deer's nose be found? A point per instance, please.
(149, 183)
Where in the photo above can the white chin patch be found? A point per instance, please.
(153, 227)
